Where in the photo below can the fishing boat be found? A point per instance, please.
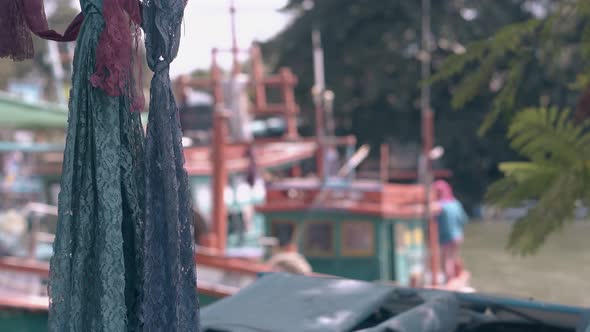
(253, 176)
(24, 270)
(362, 224)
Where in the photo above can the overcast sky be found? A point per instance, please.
(207, 25)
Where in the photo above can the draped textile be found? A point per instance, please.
(19, 18)
(123, 252)
(95, 277)
(113, 70)
(170, 302)
(15, 38)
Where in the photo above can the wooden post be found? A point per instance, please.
(219, 215)
(234, 49)
(428, 134)
(179, 86)
(219, 180)
(319, 159)
(319, 133)
(384, 167)
(318, 94)
(296, 172)
(287, 82)
(35, 222)
(216, 80)
(257, 78)
(427, 141)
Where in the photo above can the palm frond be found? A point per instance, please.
(490, 54)
(548, 134)
(553, 210)
(557, 175)
(508, 39)
(505, 101)
(522, 181)
(510, 52)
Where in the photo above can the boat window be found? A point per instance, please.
(283, 231)
(319, 239)
(358, 238)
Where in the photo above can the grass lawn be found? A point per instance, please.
(559, 273)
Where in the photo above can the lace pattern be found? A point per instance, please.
(95, 279)
(170, 302)
(15, 39)
(20, 18)
(123, 251)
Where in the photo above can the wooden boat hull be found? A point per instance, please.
(218, 277)
(23, 319)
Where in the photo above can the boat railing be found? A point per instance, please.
(15, 264)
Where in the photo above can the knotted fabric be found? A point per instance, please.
(171, 302)
(21, 17)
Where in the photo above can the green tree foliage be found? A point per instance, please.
(557, 46)
(556, 175)
(555, 143)
(371, 53)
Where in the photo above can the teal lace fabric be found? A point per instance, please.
(123, 256)
(95, 277)
(170, 302)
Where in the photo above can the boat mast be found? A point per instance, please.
(234, 40)
(219, 172)
(427, 141)
(318, 98)
(220, 132)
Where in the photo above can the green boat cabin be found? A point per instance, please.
(364, 230)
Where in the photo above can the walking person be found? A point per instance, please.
(451, 221)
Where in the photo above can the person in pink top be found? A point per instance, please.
(451, 222)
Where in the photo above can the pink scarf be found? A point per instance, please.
(443, 190)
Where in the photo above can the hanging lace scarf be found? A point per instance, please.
(170, 302)
(95, 274)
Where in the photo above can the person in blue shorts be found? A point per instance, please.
(451, 222)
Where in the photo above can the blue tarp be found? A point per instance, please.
(295, 303)
(282, 302)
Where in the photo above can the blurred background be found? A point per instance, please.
(488, 63)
